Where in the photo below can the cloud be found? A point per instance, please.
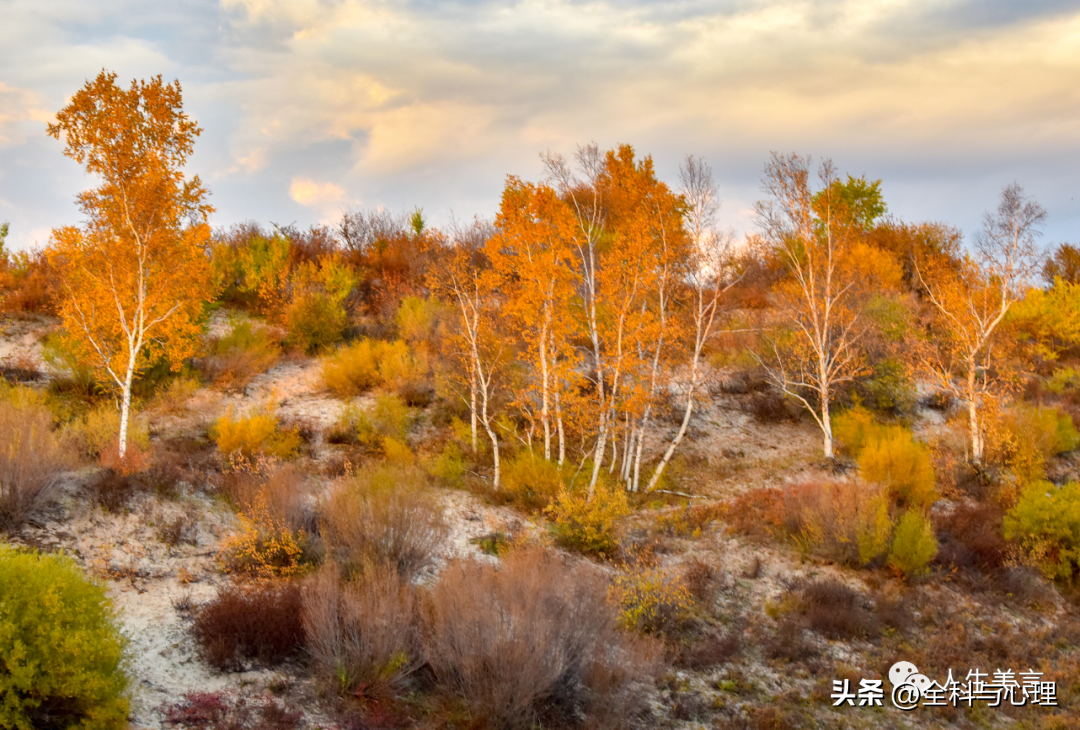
(306, 191)
(18, 109)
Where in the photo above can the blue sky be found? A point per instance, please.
(314, 107)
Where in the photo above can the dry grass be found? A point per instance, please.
(362, 633)
(533, 642)
(31, 461)
(236, 358)
(384, 515)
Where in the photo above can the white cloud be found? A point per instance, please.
(306, 191)
(20, 109)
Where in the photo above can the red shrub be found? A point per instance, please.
(258, 621)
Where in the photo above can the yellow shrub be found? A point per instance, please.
(1046, 523)
(254, 434)
(901, 464)
(856, 427)
(1023, 438)
(265, 547)
(97, 431)
(651, 599)
(589, 526)
(845, 521)
(448, 467)
(353, 370)
(397, 452)
(398, 364)
(914, 544)
(532, 480)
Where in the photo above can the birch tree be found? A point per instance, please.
(830, 274)
(971, 301)
(134, 277)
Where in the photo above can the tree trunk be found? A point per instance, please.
(826, 425)
(125, 409)
(973, 418)
(674, 442)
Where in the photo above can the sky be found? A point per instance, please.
(311, 108)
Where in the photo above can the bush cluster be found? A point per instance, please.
(255, 434)
(589, 526)
(1046, 523)
(32, 457)
(243, 353)
(366, 364)
(257, 621)
(62, 655)
(384, 515)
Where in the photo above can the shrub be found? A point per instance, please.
(844, 521)
(890, 388)
(365, 364)
(364, 632)
(75, 375)
(240, 355)
(218, 711)
(353, 370)
(315, 322)
(855, 428)
(384, 515)
(834, 610)
(282, 489)
(914, 544)
(1064, 380)
(1046, 523)
(316, 316)
(258, 433)
(1023, 438)
(256, 621)
(97, 432)
(971, 536)
(532, 480)
(533, 642)
(390, 418)
(265, 546)
(448, 467)
(62, 654)
(589, 525)
(31, 461)
(651, 599)
(903, 465)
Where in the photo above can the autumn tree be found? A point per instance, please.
(712, 268)
(970, 302)
(467, 282)
(532, 256)
(629, 239)
(831, 275)
(136, 274)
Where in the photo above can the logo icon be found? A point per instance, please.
(908, 685)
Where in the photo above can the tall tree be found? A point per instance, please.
(712, 269)
(136, 274)
(971, 300)
(533, 256)
(831, 273)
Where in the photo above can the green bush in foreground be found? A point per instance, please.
(1046, 523)
(62, 662)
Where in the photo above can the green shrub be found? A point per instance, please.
(390, 418)
(901, 464)
(914, 544)
(589, 526)
(890, 388)
(532, 480)
(651, 599)
(237, 357)
(1064, 380)
(1046, 523)
(315, 322)
(62, 655)
(448, 467)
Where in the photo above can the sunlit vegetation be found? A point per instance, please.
(508, 473)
